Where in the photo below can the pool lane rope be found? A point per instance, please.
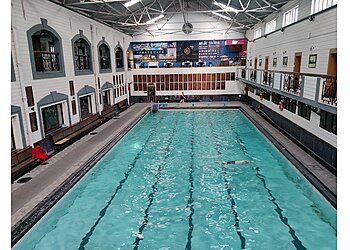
(102, 213)
(151, 196)
(228, 190)
(191, 189)
(296, 242)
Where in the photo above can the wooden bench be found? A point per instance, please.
(123, 105)
(108, 113)
(74, 132)
(22, 162)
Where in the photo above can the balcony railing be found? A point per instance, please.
(292, 83)
(329, 90)
(315, 87)
(46, 61)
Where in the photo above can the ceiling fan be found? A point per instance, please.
(187, 27)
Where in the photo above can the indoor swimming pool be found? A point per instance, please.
(164, 186)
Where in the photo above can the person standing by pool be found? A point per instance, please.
(182, 97)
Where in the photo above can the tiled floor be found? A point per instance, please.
(47, 178)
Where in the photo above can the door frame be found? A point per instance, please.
(297, 54)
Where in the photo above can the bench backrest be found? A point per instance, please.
(74, 128)
(21, 155)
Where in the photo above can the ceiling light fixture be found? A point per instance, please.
(132, 2)
(155, 19)
(223, 16)
(226, 8)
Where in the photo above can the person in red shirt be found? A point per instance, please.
(39, 153)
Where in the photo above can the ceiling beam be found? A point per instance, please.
(269, 4)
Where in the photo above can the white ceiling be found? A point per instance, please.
(240, 15)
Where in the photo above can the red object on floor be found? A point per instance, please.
(39, 153)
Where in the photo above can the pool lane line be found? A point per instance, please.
(228, 190)
(191, 189)
(296, 242)
(154, 189)
(102, 212)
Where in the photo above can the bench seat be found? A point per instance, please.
(68, 135)
(22, 162)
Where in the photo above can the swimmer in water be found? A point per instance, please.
(234, 162)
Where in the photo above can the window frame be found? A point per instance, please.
(13, 74)
(101, 43)
(293, 12)
(29, 96)
(87, 44)
(255, 32)
(290, 104)
(327, 119)
(44, 75)
(60, 118)
(267, 31)
(83, 112)
(33, 122)
(324, 5)
(121, 52)
(304, 110)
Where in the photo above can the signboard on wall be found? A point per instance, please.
(187, 51)
(149, 51)
(210, 49)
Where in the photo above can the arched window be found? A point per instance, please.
(82, 54)
(46, 53)
(104, 57)
(119, 58)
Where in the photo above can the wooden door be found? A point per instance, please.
(332, 62)
(267, 63)
(297, 62)
(255, 62)
(330, 89)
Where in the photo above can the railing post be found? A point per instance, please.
(302, 86)
(281, 79)
(317, 95)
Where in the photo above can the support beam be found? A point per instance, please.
(269, 4)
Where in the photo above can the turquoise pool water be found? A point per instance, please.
(163, 186)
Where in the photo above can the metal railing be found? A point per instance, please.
(46, 61)
(329, 90)
(292, 83)
(315, 87)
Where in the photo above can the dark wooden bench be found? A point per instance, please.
(108, 113)
(22, 162)
(123, 105)
(68, 135)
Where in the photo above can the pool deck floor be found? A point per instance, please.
(47, 178)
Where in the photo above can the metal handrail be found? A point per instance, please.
(297, 73)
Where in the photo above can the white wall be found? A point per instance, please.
(307, 37)
(204, 28)
(304, 9)
(312, 126)
(67, 24)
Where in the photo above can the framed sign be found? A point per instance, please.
(274, 62)
(312, 61)
(285, 61)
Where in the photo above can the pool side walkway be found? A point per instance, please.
(47, 178)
